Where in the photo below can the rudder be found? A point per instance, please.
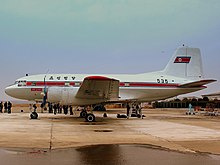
(186, 62)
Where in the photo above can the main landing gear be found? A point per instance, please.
(89, 117)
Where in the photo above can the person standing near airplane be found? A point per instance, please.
(71, 110)
(65, 109)
(50, 107)
(128, 110)
(5, 107)
(9, 106)
(1, 107)
(55, 107)
(59, 108)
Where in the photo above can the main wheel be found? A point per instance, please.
(34, 115)
(83, 114)
(90, 117)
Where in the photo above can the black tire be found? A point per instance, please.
(83, 114)
(34, 115)
(90, 117)
(138, 115)
(133, 115)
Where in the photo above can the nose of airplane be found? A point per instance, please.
(9, 91)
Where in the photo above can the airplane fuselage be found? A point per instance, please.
(137, 87)
(183, 74)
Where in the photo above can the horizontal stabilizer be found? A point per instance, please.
(196, 83)
(98, 87)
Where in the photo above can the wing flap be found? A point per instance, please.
(197, 83)
(99, 87)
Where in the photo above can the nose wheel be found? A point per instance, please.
(34, 115)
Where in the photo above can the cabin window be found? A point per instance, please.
(77, 84)
(127, 84)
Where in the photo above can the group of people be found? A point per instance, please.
(57, 108)
(6, 106)
(54, 108)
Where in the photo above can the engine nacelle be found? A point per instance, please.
(62, 95)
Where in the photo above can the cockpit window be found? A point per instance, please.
(21, 83)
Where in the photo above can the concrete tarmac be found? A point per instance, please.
(165, 128)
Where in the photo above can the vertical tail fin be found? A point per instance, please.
(186, 62)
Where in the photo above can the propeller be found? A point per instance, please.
(45, 92)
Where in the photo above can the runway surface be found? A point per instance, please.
(51, 135)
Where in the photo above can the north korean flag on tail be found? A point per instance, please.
(182, 59)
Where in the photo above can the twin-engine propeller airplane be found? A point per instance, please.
(183, 74)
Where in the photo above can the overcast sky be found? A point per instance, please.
(104, 36)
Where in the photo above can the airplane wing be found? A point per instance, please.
(99, 87)
(197, 83)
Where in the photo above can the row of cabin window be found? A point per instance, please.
(66, 83)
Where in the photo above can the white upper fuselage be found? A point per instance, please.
(136, 87)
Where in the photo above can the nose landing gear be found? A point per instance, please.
(34, 115)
